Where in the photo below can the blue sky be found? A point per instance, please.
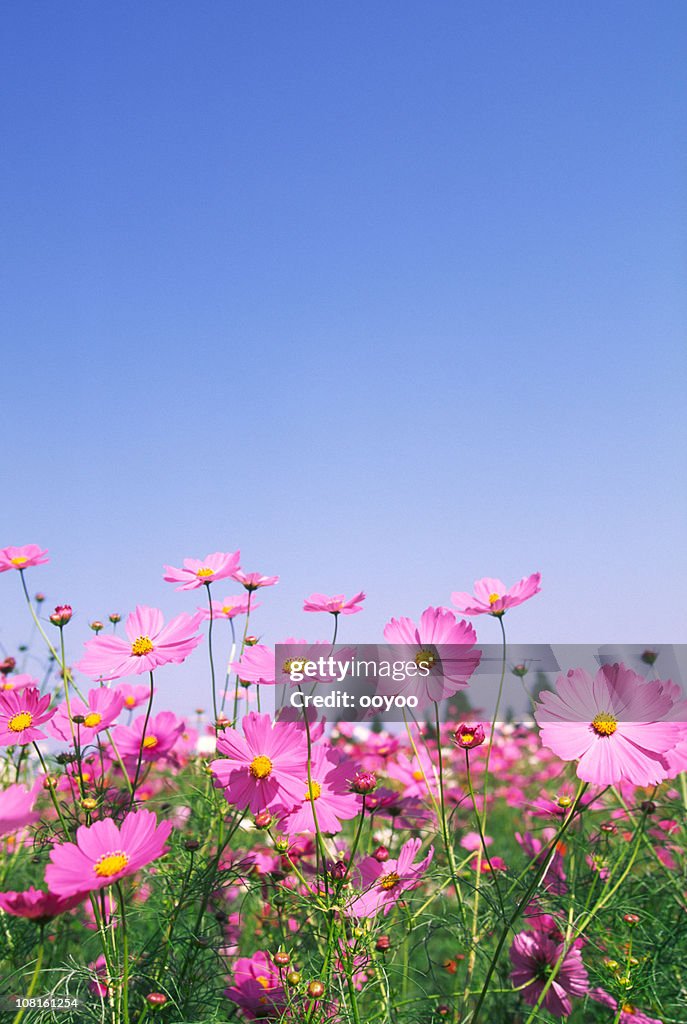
(390, 296)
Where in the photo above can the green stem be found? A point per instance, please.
(34, 976)
(212, 660)
(143, 738)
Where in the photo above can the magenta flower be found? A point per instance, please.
(16, 808)
(254, 580)
(256, 665)
(264, 767)
(21, 711)
(162, 732)
(104, 853)
(228, 607)
(534, 954)
(336, 605)
(331, 793)
(449, 668)
(98, 714)
(148, 645)
(37, 905)
(258, 987)
(613, 725)
(469, 736)
(383, 884)
(492, 597)
(197, 571)
(22, 557)
(17, 682)
(629, 1014)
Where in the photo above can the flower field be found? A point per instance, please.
(251, 866)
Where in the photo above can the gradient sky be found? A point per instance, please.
(388, 295)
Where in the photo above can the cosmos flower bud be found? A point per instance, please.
(49, 782)
(89, 804)
(631, 919)
(443, 1010)
(97, 625)
(281, 845)
(61, 615)
(293, 978)
(78, 719)
(383, 943)
(40, 597)
(263, 820)
(608, 827)
(520, 671)
(469, 736)
(338, 870)
(648, 807)
(282, 958)
(381, 854)
(363, 783)
(7, 666)
(315, 989)
(156, 999)
(191, 844)
(251, 641)
(114, 618)
(649, 657)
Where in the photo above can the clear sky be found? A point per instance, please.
(388, 295)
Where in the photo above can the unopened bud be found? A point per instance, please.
(97, 625)
(363, 783)
(293, 978)
(7, 666)
(631, 919)
(251, 641)
(282, 958)
(381, 854)
(263, 820)
(114, 618)
(78, 719)
(191, 844)
(316, 989)
(648, 807)
(89, 804)
(649, 657)
(40, 597)
(383, 943)
(519, 670)
(156, 999)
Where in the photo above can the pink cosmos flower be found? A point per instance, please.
(264, 767)
(162, 732)
(629, 1014)
(37, 905)
(613, 725)
(492, 597)
(149, 644)
(20, 714)
(331, 776)
(133, 696)
(229, 607)
(99, 713)
(22, 557)
(254, 580)
(16, 808)
(533, 955)
(384, 884)
(336, 605)
(449, 669)
(104, 853)
(258, 987)
(199, 571)
(17, 682)
(255, 666)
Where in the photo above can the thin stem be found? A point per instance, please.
(143, 739)
(34, 976)
(125, 954)
(212, 661)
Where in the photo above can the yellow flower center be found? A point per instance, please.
(141, 645)
(425, 658)
(467, 737)
(389, 881)
(150, 742)
(111, 864)
(262, 980)
(604, 724)
(19, 560)
(493, 598)
(417, 775)
(6, 685)
(260, 767)
(21, 721)
(629, 1008)
(227, 608)
(293, 665)
(93, 719)
(129, 701)
(564, 801)
(313, 791)
(203, 573)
